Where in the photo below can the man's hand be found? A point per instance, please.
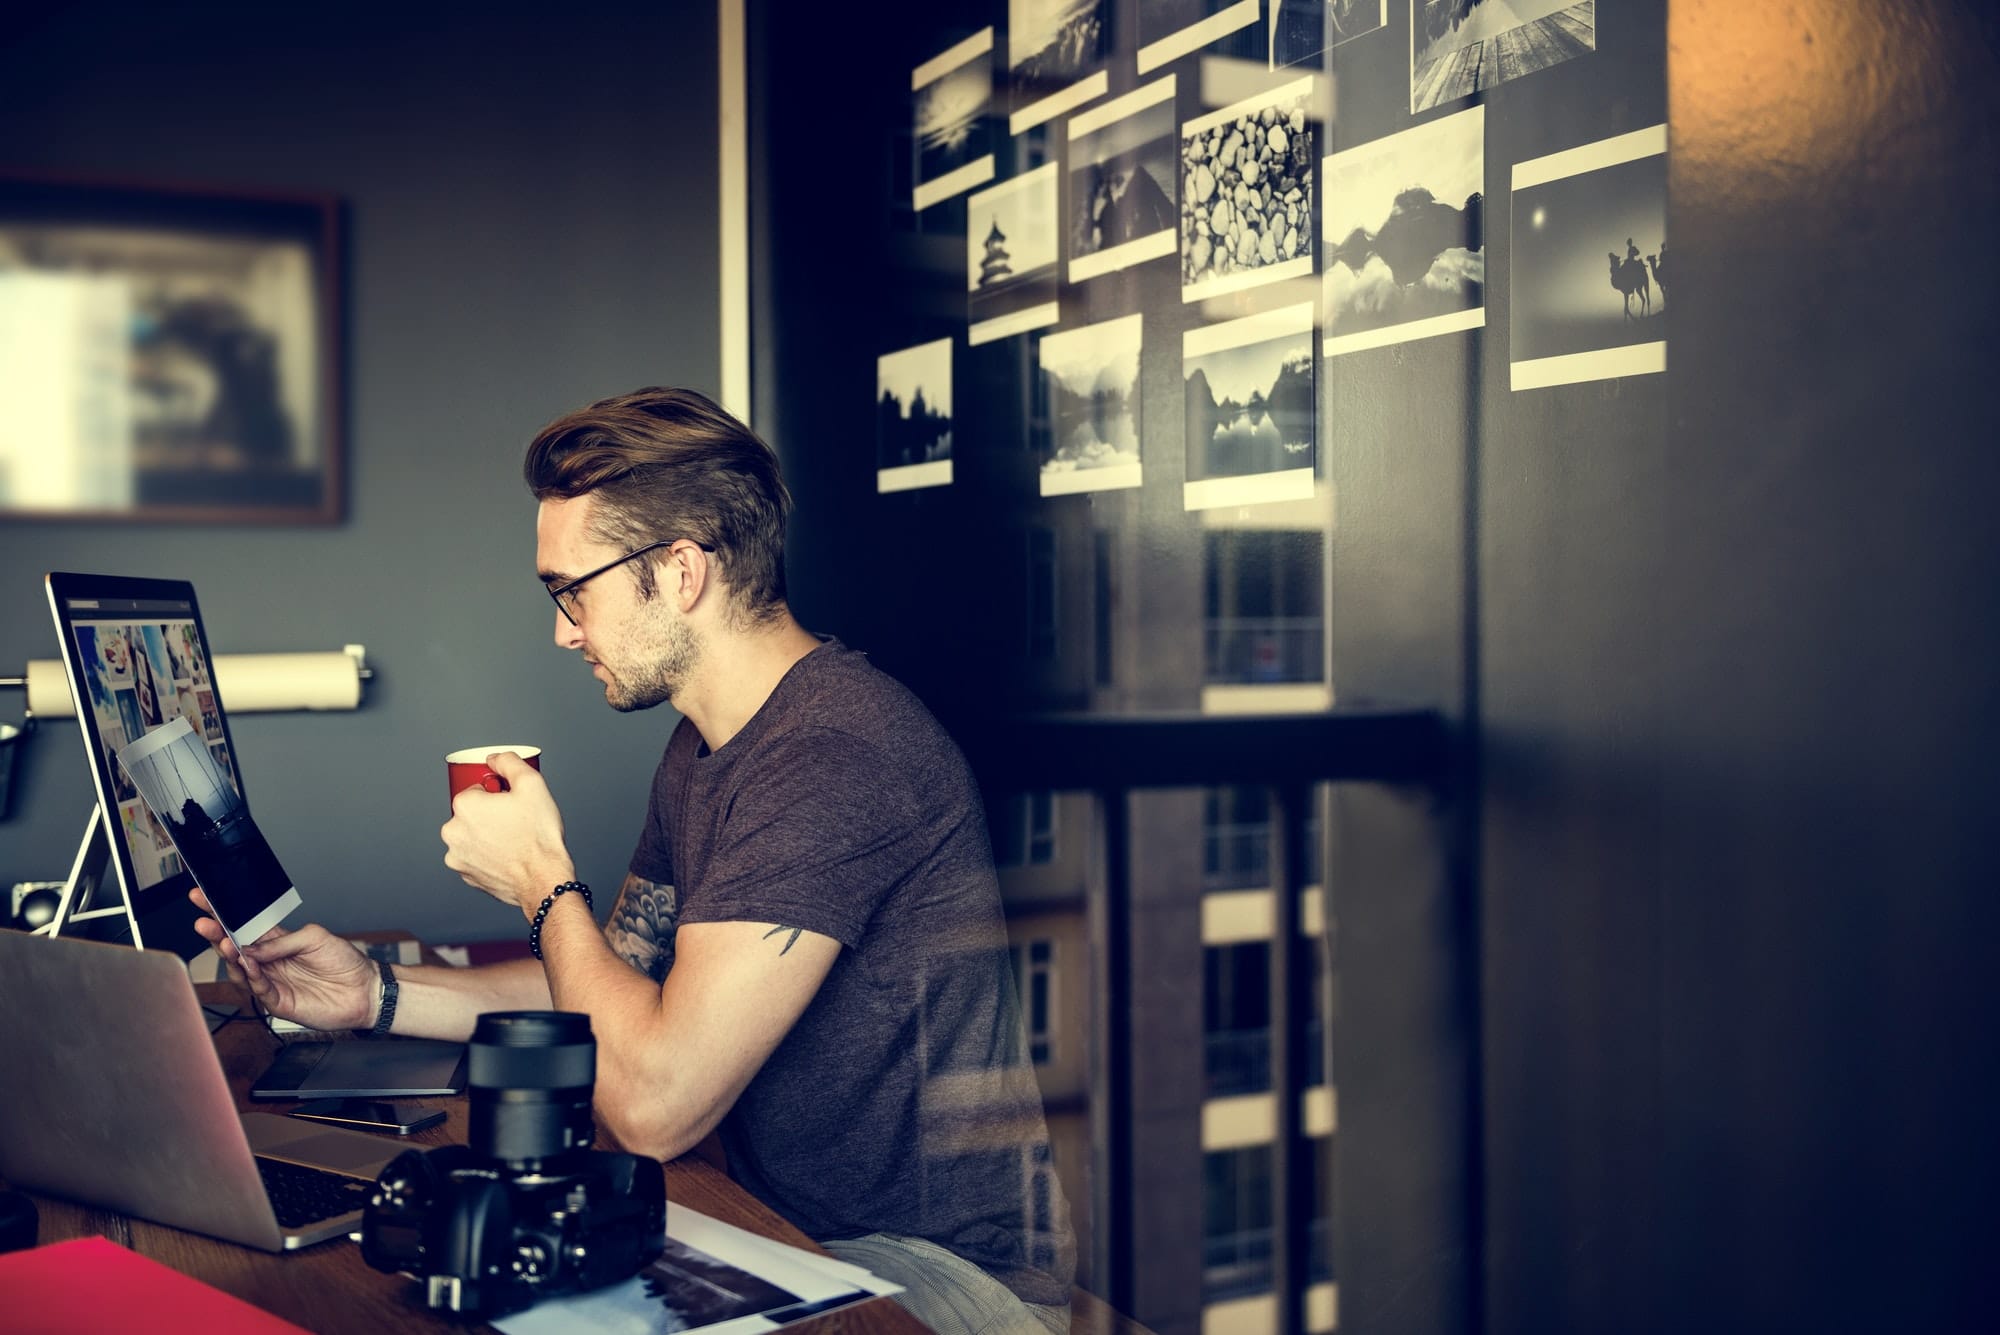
(309, 976)
(509, 844)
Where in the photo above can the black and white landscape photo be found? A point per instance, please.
(1055, 58)
(1303, 30)
(1462, 47)
(1250, 409)
(1405, 242)
(913, 417)
(1011, 263)
(1247, 194)
(1588, 279)
(1121, 182)
(952, 95)
(1092, 378)
(1170, 29)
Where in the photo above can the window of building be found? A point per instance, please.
(1042, 612)
(1024, 830)
(1035, 983)
(1236, 1223)
(1236, 1018)
(1264, 606)
(1236, 839)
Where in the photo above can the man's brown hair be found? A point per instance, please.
(666, 464)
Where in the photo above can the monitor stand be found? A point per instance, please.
(88, 876)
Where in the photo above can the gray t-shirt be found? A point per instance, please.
(902, 1101)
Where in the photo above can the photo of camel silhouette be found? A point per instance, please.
(1589, 249)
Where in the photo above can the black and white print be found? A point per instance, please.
(1302, 30)
(1055, 55)
(1170, 29)
(1121, 182)
(953, 97)
(1011, 243)
(1247, 194)
(1092, 378)
(913, 417)
(1462, 47)
(1588, 280)
(1405, 252)
(1250, 409)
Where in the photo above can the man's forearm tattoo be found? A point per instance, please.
(790, 941)
(641, 926)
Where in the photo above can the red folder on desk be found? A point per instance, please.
(91, 1286)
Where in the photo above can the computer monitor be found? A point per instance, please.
(138, 659)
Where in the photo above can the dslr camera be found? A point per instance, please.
(527, 1210)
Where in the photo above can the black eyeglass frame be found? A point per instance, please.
(558, 592)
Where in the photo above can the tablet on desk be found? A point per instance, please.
(355, 1069)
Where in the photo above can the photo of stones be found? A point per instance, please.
(1010, 256)
(1055, 56)
(913, 417)
(953, 101)
(1587, 282)
(1092, 379)
(1170, 29)
(1303, 30)
(1404, 231)
(1247, 194)
(1462, 47)
(1250, 409)
(1121, 182)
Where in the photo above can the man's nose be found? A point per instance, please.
(568, 635)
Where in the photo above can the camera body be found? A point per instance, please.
(528, 1210)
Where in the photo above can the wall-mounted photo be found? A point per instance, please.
(1304, 30)
(1405, 235)
(1588, 278)
(1462, 47)
(1170, 29)
(1247, 194)
(167, 355)
(913, 417)
(952, 95)
(1010, 257)
(1250, 414)
(1055, 58)
(1091, 376)
(1121, 182)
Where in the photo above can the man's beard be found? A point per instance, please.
(658, 681)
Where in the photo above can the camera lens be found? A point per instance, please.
(529, 1074)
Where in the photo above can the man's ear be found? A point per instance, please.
(688, 574)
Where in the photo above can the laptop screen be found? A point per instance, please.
(138, 660)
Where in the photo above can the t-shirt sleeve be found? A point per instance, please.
(816, 837)
(653, 859)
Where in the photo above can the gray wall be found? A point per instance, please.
(528, 227)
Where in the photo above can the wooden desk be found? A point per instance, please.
(330, 1290)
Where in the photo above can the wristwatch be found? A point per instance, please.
(386, 1016)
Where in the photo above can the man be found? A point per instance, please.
(808, 954)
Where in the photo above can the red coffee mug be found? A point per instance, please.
(468, 768)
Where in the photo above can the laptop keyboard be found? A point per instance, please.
(301, 1196)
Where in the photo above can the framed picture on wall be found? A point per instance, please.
(167, 354)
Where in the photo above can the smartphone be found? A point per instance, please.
(371, 1115)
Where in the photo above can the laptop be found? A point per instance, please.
(116, 1099)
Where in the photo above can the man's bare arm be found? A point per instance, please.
(640, 929)
(673, 1058)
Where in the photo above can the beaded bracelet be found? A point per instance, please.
(535, 931)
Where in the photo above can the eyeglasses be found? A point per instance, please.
(565, 594)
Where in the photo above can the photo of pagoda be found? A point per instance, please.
(994, 268)
(1012, 232)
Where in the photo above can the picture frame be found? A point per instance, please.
(168, 353)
